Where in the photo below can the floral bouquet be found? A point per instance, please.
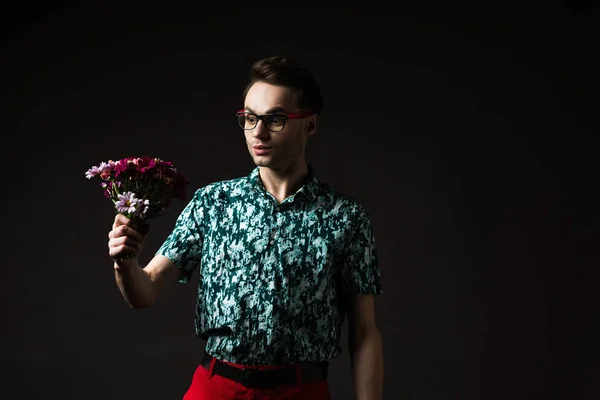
(140, 187)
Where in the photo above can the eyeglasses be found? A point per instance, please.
(273, 122)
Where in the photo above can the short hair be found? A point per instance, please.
(283, 71)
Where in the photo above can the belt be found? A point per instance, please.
(264, 379)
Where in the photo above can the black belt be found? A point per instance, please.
(257, 379)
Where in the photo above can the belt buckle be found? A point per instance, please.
(250, 377)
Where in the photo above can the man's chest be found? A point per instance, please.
(277, 251)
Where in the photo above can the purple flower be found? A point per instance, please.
(127, 203)
(92, 172)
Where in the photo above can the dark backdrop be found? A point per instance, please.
(465, 131)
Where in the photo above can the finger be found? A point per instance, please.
(121, 230)
(125, 230)
(125, 241)
(116, 252)
(121, 219)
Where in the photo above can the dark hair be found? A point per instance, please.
(282, 71)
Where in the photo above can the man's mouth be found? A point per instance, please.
(260, 149)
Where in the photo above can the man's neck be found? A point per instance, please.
(283, 183)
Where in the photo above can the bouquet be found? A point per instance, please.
(140, 187)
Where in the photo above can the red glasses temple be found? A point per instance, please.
(290, 116)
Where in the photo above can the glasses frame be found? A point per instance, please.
(297, 115)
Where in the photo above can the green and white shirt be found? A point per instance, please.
(274, 276)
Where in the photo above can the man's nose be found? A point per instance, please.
(260, 130)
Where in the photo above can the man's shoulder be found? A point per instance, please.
(338, 199)
(227, 184)
(218, 189)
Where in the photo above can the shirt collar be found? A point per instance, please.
(309, 188)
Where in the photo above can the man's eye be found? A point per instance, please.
(251, 118)
(276, 120)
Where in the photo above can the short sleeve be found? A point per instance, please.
(360, 266)
(184, 245)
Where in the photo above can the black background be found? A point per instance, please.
(468, 132)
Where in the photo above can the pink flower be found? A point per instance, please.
(146, 163)
(123, 165)
(105, 174)
(140, 187)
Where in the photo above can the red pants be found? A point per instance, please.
(206, 386)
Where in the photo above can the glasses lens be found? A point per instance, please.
(247, 120)
(274, 123)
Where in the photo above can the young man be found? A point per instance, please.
(283, 259)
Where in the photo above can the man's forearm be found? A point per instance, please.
(136, 286)
(366, 352)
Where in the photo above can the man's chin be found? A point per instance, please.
(262, 161)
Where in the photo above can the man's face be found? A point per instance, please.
(277, 150)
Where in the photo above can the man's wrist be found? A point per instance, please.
(126, 266)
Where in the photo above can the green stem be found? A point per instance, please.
(115, 188)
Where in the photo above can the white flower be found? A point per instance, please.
(126, 203)
(92, 172)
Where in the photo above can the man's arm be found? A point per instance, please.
(365, 348)
(142, 287)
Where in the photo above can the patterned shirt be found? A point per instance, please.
(273, 276)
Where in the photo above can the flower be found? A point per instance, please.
(129, 203)
(140, 187)
(142, 207)
(92, 172)
(126, 203)
(121, 166)
(146, 163)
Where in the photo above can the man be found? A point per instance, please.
(283, 258)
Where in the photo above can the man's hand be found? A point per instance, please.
(126, 241)
(140, 287)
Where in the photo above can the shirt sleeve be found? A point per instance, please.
(184, 245)
(360, 268)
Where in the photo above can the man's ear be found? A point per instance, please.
(312, 124)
